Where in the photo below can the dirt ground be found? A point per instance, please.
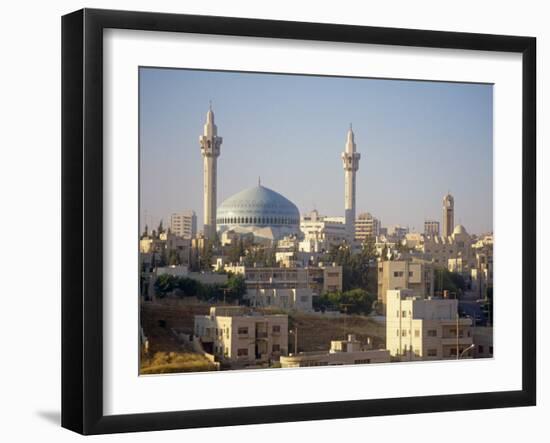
(314, 332)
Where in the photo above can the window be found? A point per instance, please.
(276, 328)
(432, 352)
(404, 333)
(243, 352)
(432, 333)
(404, 314)
(480, 349)
(276, 348)
(397, 332)
(362, 361)
(243, 330)
(491, 350)
(397, 313)
(410, 273)
(417, 332)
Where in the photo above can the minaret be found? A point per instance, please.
(210, 150)
(350, 159)
(448, 215)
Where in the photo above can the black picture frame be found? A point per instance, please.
(82, 220)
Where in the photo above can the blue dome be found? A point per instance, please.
(258, 206)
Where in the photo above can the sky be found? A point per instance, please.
(418, 140)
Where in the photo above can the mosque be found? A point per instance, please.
(260, 210)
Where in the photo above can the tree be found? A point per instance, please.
(236, 287)
(446, 280)
(358, 270)
(355, 301)
(164, 284)
(236, 251)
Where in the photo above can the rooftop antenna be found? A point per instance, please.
(210, 104)
(259, 181)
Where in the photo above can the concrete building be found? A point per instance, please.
(299, 299)
(366, 226)
(350, 159)
(240, 338)
(483, 340)
(448, 215)
(184, 224)
(320, 279)
(415, 275)
(320, 232)
(177, 245)
(431, 228)
(210, 149)
(342, 352)
(397, 232)
(426, 328)
(441, 249)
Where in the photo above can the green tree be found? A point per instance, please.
(445, 280)
(164, 284)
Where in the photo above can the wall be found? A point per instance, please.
(30, 187)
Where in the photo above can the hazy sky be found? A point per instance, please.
(417, 141)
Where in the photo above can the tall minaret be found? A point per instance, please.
(351, 164)
(448, 215)
(210, 150)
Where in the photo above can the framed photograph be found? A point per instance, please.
(268, 221)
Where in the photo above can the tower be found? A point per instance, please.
(448, 215)
(350, 159)
(210, 150)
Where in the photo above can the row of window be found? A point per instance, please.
(258, 220)
(243, 330)
(400, 274)
(243, 352)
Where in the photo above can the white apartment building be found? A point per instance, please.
(320, 279)
(342, 352)
(292, 299)
(240, 338)
(366, 226)
(184, 224)
(416, 275)
(426, 328)
(320, 232)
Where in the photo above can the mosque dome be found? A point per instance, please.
(459, 229)
(260, 210)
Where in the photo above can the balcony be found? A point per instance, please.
(449, 341)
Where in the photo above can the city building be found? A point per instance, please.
(299, 299)
(416, 275)
(397, 232)
(350, 159)
(319, 279)
(210, 149)
(441, 249)
(342, 352)
(208, 278)
(320, 232)
(426, 328)
(431, 228)
(241, 338)
(184, 224)
(261, 211)
(366, 226)
(448, 215)
(483, 340)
